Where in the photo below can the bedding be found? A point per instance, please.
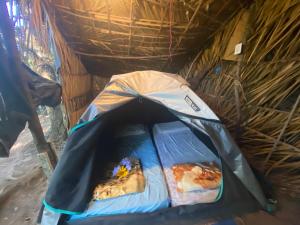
(125, 178)
(196, 177)
(135, 141)
(180, 152)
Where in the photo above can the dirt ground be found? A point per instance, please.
(23, 184)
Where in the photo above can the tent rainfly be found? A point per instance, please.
(148, 97)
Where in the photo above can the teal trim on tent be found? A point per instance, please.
(77, 126)
(221, 191)
(61, 211)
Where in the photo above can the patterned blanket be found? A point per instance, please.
(126, 178)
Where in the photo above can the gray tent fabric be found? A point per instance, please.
(231, 154)
(49, 218)
(150, 97)
(172, 91)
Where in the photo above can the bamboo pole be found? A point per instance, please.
(129, 57)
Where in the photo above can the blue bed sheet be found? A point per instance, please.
(177, 144)
(226, 222)
(135, 142)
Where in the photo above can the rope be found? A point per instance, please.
(170, 28)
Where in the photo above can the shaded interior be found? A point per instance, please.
(234, 201)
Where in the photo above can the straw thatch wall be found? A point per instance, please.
(257, 93)
(76, 81)
(113, 37)
(99, 84)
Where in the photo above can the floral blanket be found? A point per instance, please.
(126, 178)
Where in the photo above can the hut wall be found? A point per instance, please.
(256, 93)
(75, 80)
(99, 84)
(77, 94)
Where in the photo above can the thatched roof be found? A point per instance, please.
(112, 37)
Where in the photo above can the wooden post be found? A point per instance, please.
(45, 153)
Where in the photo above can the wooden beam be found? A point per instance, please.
(128, 57)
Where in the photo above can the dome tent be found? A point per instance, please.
(149, 97)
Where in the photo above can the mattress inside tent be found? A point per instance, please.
(177, 144)
(135, 141)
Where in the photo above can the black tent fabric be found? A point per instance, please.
(10, 128)
(44, 92)
(14, 112)
(14, 107)
(87, 154)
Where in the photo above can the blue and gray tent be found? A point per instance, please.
(147, 97)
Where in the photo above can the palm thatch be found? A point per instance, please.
(257, 93)
(76, 81)
(112, 37)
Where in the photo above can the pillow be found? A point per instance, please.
(196, 177)
(126, 178)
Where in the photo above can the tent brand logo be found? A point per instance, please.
(191, 103)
